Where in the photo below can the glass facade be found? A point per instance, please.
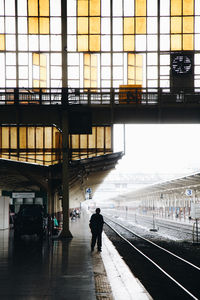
(96, 44)
(43, 145)
(106, 43)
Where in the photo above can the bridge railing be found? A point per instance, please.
(103, 96)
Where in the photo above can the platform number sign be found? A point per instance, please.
(188, 192)
(89, 193)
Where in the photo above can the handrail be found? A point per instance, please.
(97, 96)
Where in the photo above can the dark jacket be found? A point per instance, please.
(96, 223)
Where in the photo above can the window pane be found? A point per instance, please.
(82, 25)
(44, 25)
(94, 7)
(117, 43)
(164, 42)
(176, 42)
(188, 24)
(55, 7)
(188, 42)
(33, 25)
(140, 25)
(22, 7)
(82, 7)
(2, 42)
(44, 7)
(129, 42)
(33, 7)
(128, 25)
(94, 25)
(94, 42)
(140, 7)
(176, 25)
(22, 25)
(82, 42)
(55, 26)
(128, 8)
(176, 7)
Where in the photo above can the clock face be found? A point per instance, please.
(181, 64)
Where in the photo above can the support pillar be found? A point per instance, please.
(65, 175)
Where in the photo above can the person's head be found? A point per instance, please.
(98, 210)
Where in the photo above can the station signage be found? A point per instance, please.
(23, 195)
(188, 192)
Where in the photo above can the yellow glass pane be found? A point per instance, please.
(94, 7)
(94, 42)
(43, 83)
(129, 42)
(140, 7)
(87, 59)
(39, 137)
(188, 7)
(93, 84)
(131, 59)
(131, 72)
(36, 83)
(176, 42)
(44, 25)
(31, 137)
(100, 137)
(33, 25)
(44, 7)
(83, 141)
(131, 81)
(86, 72)
(82, 25)
(48, 137)
(108, 137)
(13, 137)
(33, 7)
(75, 141)
(188, 42)
(94, 74)
(93, 60)
(87, 83)
(128, 25)
(139, 60)
(82, 42)
(94, 25)
(92, 139)
(140, 26)
(43, 74)
(138, 74)
(82, 7)
(176, 25)
(43, 60)
(188, 24)
(36, 59)
(5, 137)
(176, 7)
(22, 138)
(2, 42)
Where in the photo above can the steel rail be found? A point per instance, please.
(149, 259)
(171, 253)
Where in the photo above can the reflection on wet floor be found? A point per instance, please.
(31, 269)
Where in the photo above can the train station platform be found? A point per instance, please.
(65, 269)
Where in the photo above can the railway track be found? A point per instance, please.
(161, 224)
(164, 274)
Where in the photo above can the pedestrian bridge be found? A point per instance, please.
(106, 105)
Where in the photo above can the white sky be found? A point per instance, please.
(158, 148)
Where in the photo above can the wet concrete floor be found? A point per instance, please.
(52, 269)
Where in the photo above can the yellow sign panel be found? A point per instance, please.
(130, 93)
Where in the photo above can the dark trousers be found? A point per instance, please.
(96, 236)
